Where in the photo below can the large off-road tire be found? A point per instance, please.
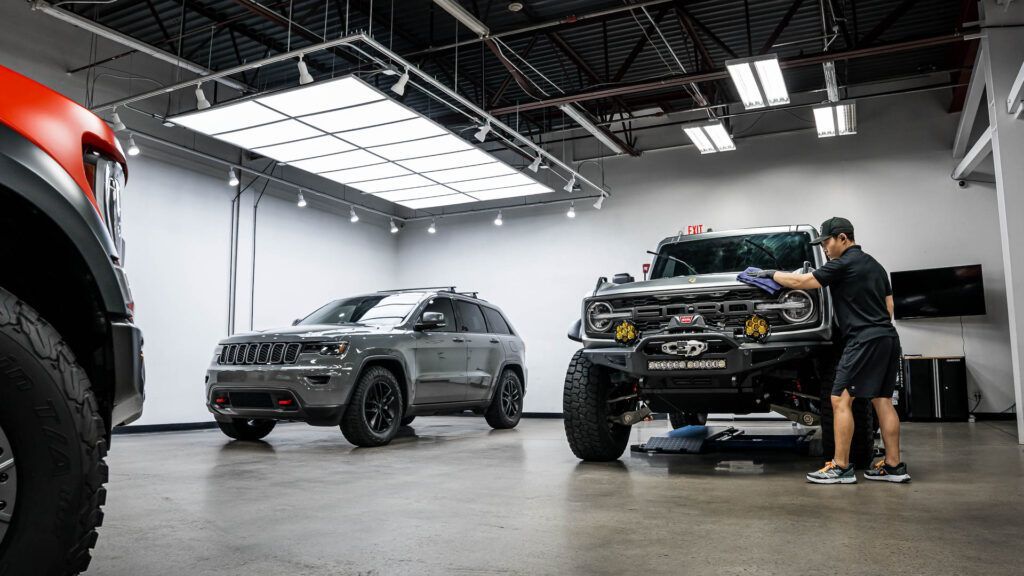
(507, 405)
(585, 413)
(680, 419)
(862, 445)
(53, 439)
(374, 411)
(249, 429)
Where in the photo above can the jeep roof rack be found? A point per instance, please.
(439, 288)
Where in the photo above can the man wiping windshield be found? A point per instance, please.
(862, 298)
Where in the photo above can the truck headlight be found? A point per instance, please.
(107, 181)
(598, 316)
(800, 308)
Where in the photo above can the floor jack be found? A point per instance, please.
(737, 433)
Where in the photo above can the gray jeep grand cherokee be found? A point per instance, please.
(370, 364)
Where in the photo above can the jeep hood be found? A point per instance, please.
(678, 283)
(310, 332)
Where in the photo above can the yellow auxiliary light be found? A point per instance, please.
(757, 328)
(626, 332)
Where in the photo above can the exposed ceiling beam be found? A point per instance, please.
(887, 22)
(500, 93)
(972, 105)
(781, 26)
(981, 150)
(639, 46)
(707, 31)
(284, 22)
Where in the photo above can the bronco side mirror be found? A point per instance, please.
(431, 320)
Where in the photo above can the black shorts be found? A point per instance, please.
(869, 369)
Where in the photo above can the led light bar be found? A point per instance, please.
(686, 364)
(349, 132)
(759, 81)
(709, 137)
(836, 119)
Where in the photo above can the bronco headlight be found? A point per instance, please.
(107, 181)
(800, 306)
(599, 317)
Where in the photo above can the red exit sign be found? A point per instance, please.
(695, 229)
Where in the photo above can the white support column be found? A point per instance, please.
(1004, 51)
(972, 104)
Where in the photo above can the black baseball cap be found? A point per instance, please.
(833, 227)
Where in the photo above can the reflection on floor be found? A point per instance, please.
(451, 496)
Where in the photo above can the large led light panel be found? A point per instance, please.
(348, 131)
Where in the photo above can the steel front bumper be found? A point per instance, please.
(318, 393)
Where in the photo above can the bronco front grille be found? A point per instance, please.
(265, 353)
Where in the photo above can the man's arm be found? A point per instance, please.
(890, 306)
(797, 280)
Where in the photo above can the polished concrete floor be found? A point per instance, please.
(453, 497)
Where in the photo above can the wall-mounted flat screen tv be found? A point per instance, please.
(939, 292)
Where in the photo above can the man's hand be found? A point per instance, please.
(764, 273)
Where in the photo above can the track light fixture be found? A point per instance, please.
(115, 122)
(482, 133)
(201, 102)
(302, 200)
(600, 201)
(394, 227)
(304, 76)
(399, 86)
(571, 184)
(433, 226)
(133, 148)
(535, 165)
(232, 177)
(572, 210)
(352, 216)
(498, 221)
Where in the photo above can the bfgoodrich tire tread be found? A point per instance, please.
(585, 413)
(37, 368)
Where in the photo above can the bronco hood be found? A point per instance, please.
(311, 332)
(700, 281)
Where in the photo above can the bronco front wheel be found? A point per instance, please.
(586, 412)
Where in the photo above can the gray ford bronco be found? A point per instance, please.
(371, 364)
(693, 339)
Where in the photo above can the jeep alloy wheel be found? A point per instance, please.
(8, 484)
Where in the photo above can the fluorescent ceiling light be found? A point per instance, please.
(390, 133)
(359, 116)
(516, 179)
(353, 159)
(374, 172)
(276, 133)
(513, 192)
(347, 131)
(759, 81)
(424, 147)
(462, 15)
(582, 118)
(228, 118)
(416, 193)
(490, 170)
(319, 146)
(322, 96)
(839, 118)
(437, 201)
(390, 184)
(451, 160)
(709, 137)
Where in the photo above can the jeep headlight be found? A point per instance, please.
(326, 348)
(599, 316)
(798, 306)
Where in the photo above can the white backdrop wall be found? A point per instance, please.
(892, 180)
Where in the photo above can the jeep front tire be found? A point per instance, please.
(586, 413)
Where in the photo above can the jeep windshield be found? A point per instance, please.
(375, 310)
(781, 251)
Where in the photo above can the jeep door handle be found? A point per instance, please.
(458, 340)
(495, 341)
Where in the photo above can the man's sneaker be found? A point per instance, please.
(884, 472)
(833, 473)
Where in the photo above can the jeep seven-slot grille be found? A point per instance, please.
(266, 353)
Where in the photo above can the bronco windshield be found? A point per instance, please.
(781, 251)
(375, 310)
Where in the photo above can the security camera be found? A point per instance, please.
(961, 183)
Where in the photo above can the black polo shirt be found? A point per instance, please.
(859, 285)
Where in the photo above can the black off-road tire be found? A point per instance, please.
(355, 425)
(680, 419)
(585, 413)
(863, 443)
(506, 407)
(408, 420)
(58, 441)
(247, 429)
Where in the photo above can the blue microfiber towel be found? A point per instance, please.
(767, 284)
(692, 431)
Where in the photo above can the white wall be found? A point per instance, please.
(891, 179)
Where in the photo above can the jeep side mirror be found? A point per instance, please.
(296, 321)
(431, 320)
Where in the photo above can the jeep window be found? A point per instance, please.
(471, 317)
(734, 254)
(376, 310)
(496, 322)
(444, 306)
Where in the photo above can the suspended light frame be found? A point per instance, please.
(836, 119)
(759, 81)
(709, 137)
